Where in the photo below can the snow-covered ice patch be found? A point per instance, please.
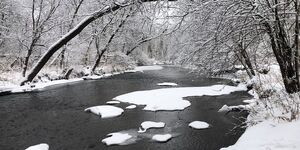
(117, 139)
(269, 135)
(150, 124)
(41, 146)
(131, 107)
(112, 102)
(199, 125)
(167, 84)
(161, 137)
(105, 111)
(172, 98)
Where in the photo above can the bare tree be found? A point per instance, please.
(39, 21)
(71, 34)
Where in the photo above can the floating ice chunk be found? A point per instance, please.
(224, 108)
(105, 111)
(167, 84)
(112, 102)
(161, 137)
(151, 124)
(41, 146)
(199, 125)
(172, 98)
(116, 139)
(131, 107)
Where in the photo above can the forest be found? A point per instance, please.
(249, 42)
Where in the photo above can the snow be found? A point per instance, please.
(145, 68)
(131, 107)
(116, 139)
(15, 88)
(272, 121)
(105, 111)
(199, 125)
(240, 67)
(172, 98)
(41, 85)
(41, 146)
(226, 108)
(161, 137)
(97, 77)
(269, 135)
(151, 124)
(112, 102)
(167, 84)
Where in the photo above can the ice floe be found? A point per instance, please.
(105, 111)
(117, 139)
(41, 146)
(112, 102)
(167, 84)
(150, 124)
(172, 98)
(161, 137)
(199, 125)
(131, 107)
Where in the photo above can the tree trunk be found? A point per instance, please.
(70, 35)
(26, 62)
(65, 39)
(99, 56)
(283, 54)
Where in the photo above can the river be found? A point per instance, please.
(55, 115)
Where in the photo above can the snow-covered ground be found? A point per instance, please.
(273, 120)
(41, 146)
(269, 135)
(146, 68)
(105, 111)
(40, 85)
(13, 87)
(172, 98)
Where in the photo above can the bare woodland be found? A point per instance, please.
(211, 36)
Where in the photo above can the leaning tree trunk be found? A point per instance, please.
(65, 39)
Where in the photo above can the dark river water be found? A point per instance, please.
(55, 116)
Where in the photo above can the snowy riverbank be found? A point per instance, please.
(273, 114)
(12, 87)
